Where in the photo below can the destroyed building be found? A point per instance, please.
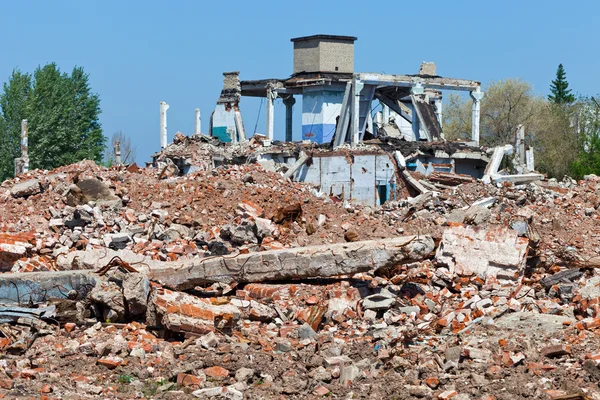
(236, 267)
(345, 150)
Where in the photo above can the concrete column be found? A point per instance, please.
(438, 110)
(289, 104)
(520, 145)
(386, 114)
(197, 122)
(270, 113)
(117, 153)
(357, 87)
(163, 124)
(378, 119)
(416, 124)
(25, 145)
(476, 95)
(530, 159)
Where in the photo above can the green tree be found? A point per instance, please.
(64, 125)
(560, 92)
(13, 108)
(62, 114)
(586, 122)
(505, 105)
(556, 140)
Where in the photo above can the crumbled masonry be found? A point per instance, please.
(212, 274)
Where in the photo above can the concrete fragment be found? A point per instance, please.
(244, 374)
(26, 189)
(136, 289)
(530, 322)
(300, 262)
(496, 252)
(378, 302)
(348, 374)
(108, 302)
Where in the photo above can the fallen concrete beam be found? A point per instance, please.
(302, 262)
(301, 160)
(524, 178)
(494, 164)
(36, 287)
(413, 182)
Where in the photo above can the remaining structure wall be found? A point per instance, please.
(320, 109)
(363, 179)
(223, 123)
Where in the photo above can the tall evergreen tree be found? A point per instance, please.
(560, 92)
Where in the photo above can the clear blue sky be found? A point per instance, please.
(141, 52)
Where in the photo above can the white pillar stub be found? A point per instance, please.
(270, 110)
(163, 124)
(476, 95)
(25, 145)
(117, 149)
(197, 122)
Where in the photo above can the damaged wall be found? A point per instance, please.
(364, 179)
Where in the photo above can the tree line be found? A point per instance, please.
(564, 130)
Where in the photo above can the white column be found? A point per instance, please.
(197, 122)
(476, 95)
(270, 112)
(163, 124)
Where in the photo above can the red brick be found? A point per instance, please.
(69, 326)
(110, 363)
(189, 380)
(217, 372)
(321, 391)
(6, 383)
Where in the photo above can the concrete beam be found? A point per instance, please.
(517, 179)
(301, 262)
(439, 83)
(37, 287)
(301, 160)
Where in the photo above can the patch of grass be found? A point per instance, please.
(125, 378)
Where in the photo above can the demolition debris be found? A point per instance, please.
(372, 259)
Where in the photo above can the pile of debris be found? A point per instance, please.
(235, 282)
